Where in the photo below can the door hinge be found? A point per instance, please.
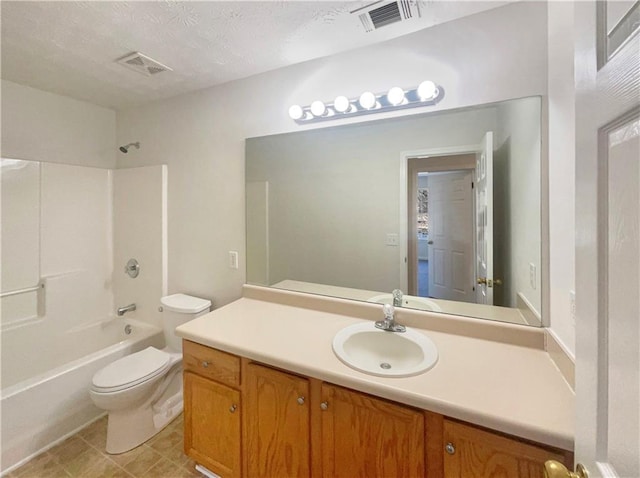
(471, 184)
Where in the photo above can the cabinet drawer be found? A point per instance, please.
(211, 363)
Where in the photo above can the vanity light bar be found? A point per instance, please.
(426, 93)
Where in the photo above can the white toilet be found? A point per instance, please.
(143, 391)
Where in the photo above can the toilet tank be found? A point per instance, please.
(178, 309)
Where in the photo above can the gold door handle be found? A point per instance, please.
(489, 282)
(555, 469)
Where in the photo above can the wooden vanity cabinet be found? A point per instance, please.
(472, 452)
(212, 409)
(277, 423)
(363, 436)
(212, 420)
(245, 419)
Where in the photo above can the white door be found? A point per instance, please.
(484, 221)
(451, 270)
(607, 240)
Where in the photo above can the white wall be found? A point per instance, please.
(496, 55)
(43, 126)
(561, 171)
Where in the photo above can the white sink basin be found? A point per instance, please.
(407, 301)
(370, 350)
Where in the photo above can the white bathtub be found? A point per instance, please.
(53, 402)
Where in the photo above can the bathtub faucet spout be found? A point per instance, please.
(126, 308)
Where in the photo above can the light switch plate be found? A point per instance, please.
(233, 259)
(572, 306)
(392, 239)
(532, 275)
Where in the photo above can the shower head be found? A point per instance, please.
(125, 148)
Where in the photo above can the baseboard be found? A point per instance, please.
(561, 357)
(530, 314)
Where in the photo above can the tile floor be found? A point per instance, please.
(83, 455)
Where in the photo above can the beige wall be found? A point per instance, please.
(492, 56)
(518, 160)
(43, 126)
(562, 164)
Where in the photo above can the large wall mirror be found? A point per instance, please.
(444, 206)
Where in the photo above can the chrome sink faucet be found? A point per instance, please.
(126, 308)
(389, 322)
(397, 297)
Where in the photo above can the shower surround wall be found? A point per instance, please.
(140, 232)
(77, 216)
(72, 250)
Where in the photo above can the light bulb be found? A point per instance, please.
(395, 96)
(427, 90)
(295, 112)
(341, 104)
(318, 108)
(367, 100)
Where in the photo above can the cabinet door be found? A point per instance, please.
(276, 423)
(475, 453)
(364, 436)
(212, 425)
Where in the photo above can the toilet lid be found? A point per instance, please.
(131, 370)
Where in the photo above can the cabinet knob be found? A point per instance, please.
(300, 400)
(233, 408)
(324, 405)
(450, 449)
(205, 364)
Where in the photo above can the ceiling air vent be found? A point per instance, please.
(375, 16)
(143, 64)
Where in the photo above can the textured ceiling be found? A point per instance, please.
(70, 48)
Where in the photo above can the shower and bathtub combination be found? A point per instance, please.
(46, 398)
(67, 234)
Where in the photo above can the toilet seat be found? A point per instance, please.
(131, 370)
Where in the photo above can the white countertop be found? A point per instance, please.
(509, 388)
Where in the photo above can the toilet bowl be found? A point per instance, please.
(142, 392)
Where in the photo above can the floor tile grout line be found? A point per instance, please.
(105, 455)
(179, 460)
(146, 444)
(150, 466)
